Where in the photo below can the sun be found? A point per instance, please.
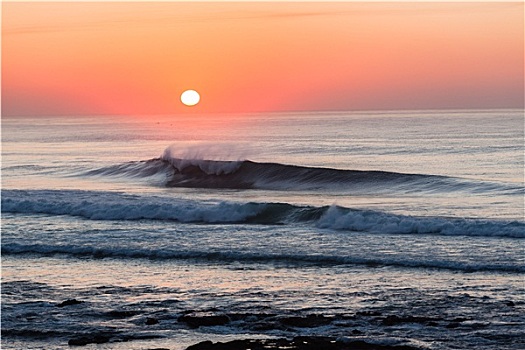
(190, 97)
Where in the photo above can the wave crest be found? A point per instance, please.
(117, 206)
(220, 174)
(192, 159)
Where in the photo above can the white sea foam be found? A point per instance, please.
(114, 206)
(372, 221)
(117, 206)
(214, 159)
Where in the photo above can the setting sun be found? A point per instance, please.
(190, 97)
(136, 57)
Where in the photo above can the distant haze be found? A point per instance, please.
(68, 58)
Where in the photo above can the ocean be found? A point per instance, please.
(391, 227)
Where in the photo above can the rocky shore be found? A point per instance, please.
(294, 331)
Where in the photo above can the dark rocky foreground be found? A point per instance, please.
(361, 330)
(297, 343)
(267, 322)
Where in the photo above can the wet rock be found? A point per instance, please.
(69, 302)
(392, 320)
(132, 337)
(298, 343)
(203, 346)
(309, 321)
(368, 313)
(89, 339)
(452, 325)
(121, 313)
(266, 326)
(151, 321)
(476, 325)
(196, 320)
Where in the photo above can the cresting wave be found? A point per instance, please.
(236, 256)
(197, 173)
(98, 205)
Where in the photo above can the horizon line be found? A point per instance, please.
(458, 109)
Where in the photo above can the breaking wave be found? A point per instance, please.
(98, 205)
(218, 174)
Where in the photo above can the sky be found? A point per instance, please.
(136, 58)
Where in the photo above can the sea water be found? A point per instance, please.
(402, 227)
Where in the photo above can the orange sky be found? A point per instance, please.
(70, 58)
